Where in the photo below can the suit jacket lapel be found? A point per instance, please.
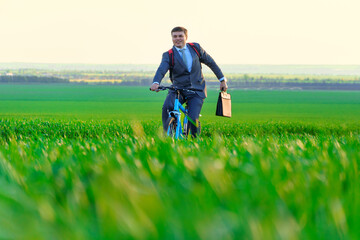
(193, 55)
(178, 57)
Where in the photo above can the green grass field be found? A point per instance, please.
(91, 162)
(129, 103)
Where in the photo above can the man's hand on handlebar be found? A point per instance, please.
(154, 87)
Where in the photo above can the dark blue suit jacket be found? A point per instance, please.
(181, 76)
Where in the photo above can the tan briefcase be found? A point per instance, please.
(223, 107)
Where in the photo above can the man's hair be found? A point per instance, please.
(179, 29)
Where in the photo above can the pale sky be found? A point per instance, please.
(138, 31)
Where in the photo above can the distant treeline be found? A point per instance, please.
(139, 82)
(139, 78)
(280, 78)
(226, 68)
(295, 85)
(237, 80)
(32, 79)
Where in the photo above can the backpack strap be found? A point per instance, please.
(196, 49)
(171, 60)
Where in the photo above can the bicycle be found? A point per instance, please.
(175, 128)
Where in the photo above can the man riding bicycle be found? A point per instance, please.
(184, 62)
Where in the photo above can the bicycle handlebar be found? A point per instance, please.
(177, 88)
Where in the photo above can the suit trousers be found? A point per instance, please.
(194, 104)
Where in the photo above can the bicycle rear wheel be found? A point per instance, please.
(171, 124)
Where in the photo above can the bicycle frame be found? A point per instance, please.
(177, 114)
(181, 130)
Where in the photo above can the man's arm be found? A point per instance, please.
(161, 71)
(210, 62)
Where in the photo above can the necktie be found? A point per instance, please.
(184, 57)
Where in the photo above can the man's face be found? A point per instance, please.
(179, 39)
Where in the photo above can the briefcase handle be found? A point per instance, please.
(225, 95)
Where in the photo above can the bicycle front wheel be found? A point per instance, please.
(171, 124)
